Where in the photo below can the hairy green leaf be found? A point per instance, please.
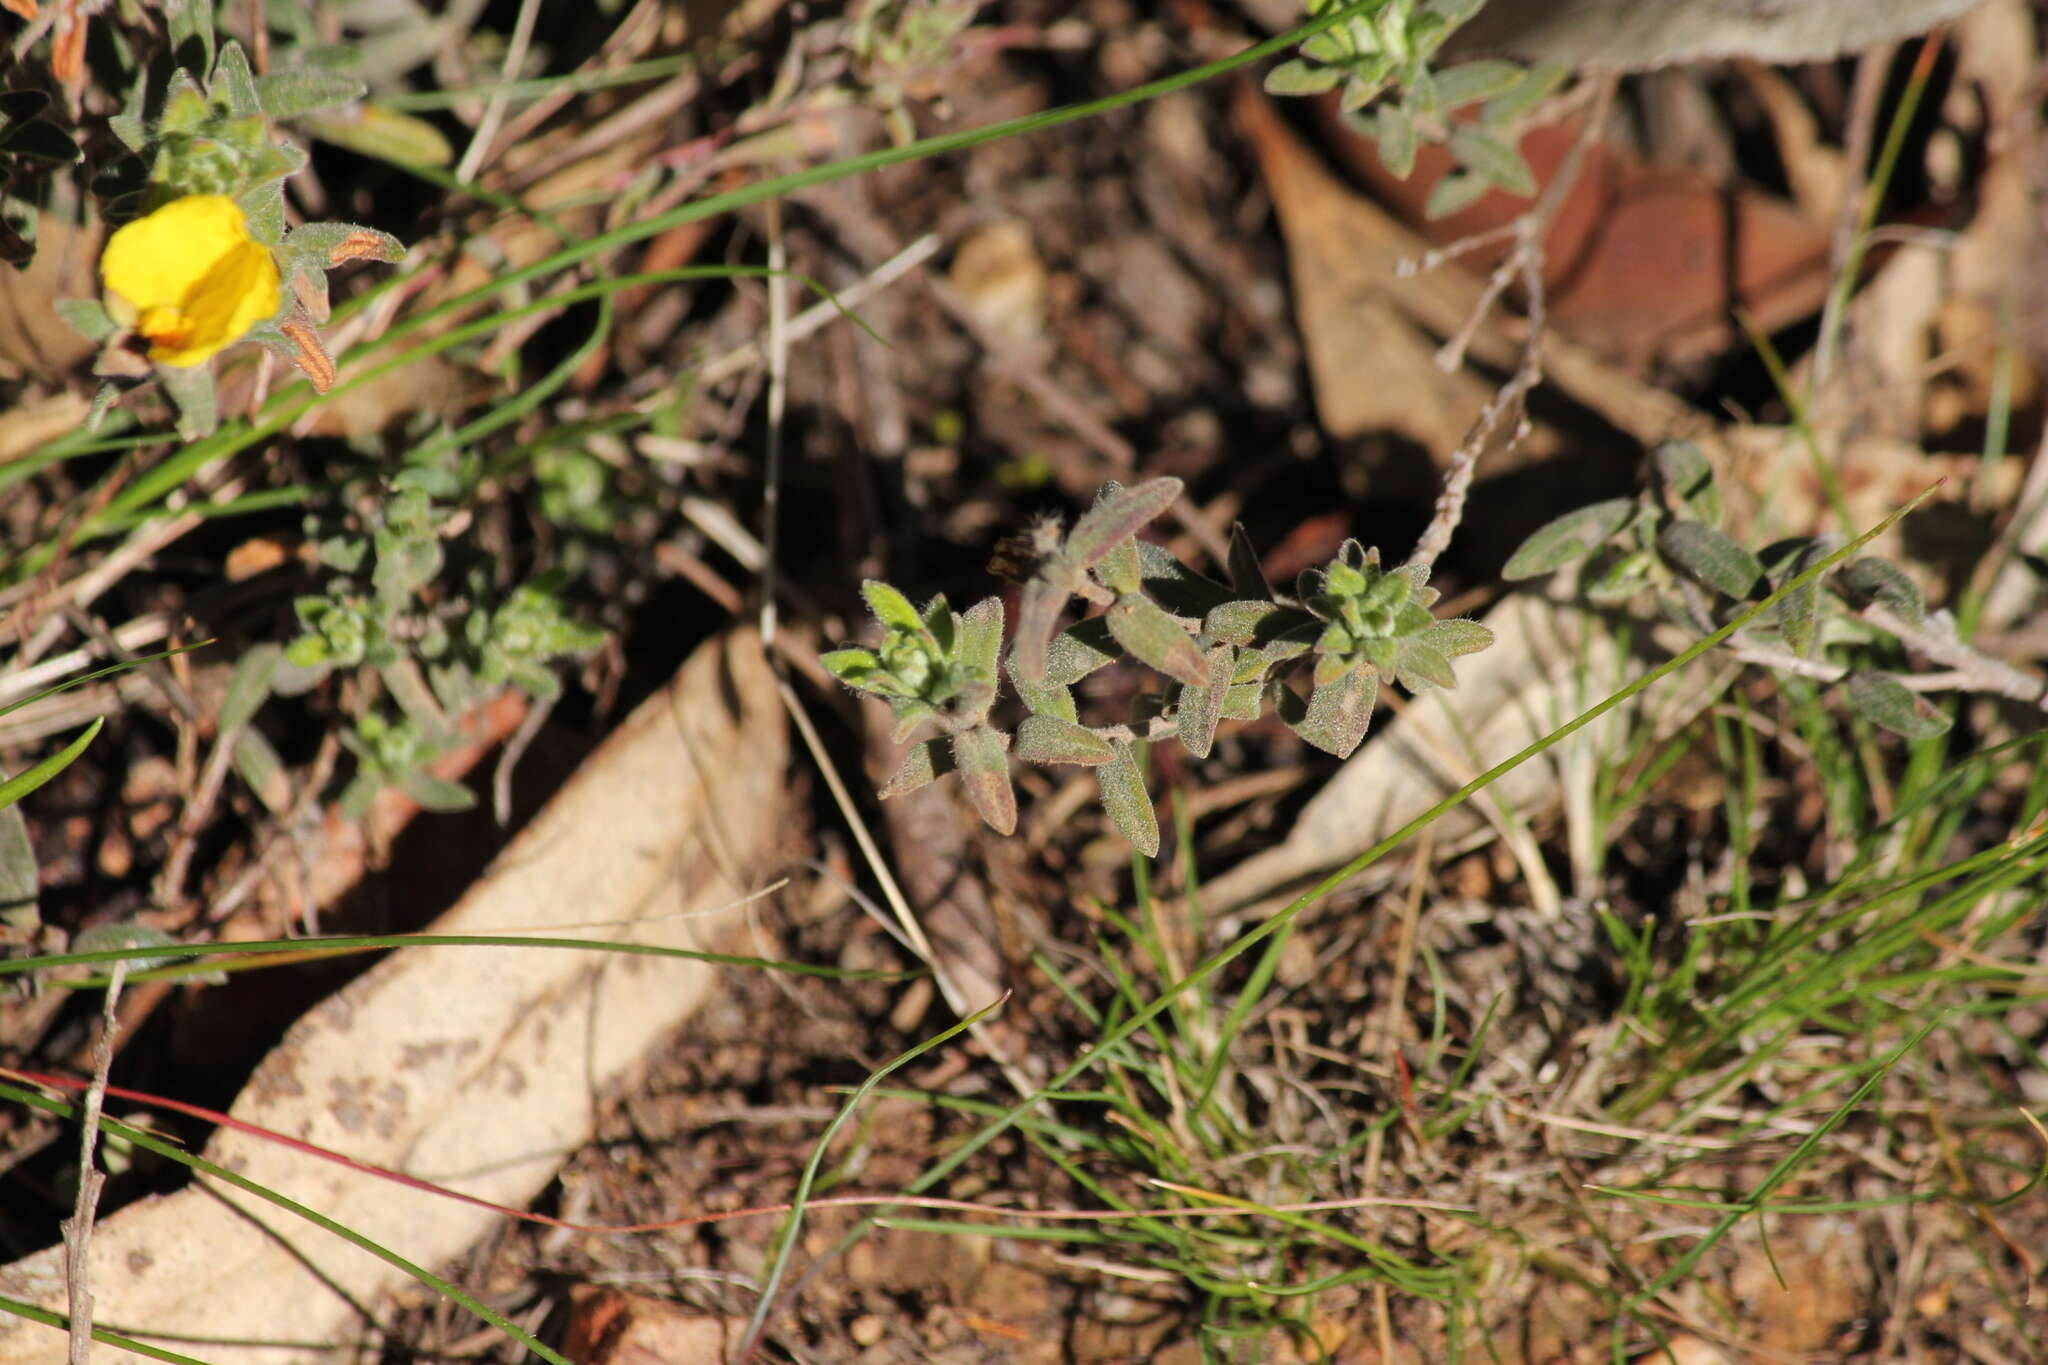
(1175, 586)
(19, 879)
(1050, 739)
(1615, 577)
(234, 83)
(1417, 665)
(1117, 517)
(1471, 82)
(302, 90)
(1454, 192)
(1710, 557)
(1682, 470)
(982, 757)
(1302, 78)
(1337, 713)
(1885, 701)
(910, 712)
(1079, 651)
(922, 764)
(1145, 629)
(436, 794)
(1125, 799)
(891, 607)
(1244, 700)
(981, 637)
(1238, 623)
(1456, 635)
(1247, 578)
(1868, 580)
(1798, 612)
(1393, 132)
(1571, 537)
(87, 317)
(1121, 569)
(1536, 83)
(1492, 159)
(1038, 616)
(1202, 707)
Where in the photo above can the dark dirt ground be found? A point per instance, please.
(1140, 322)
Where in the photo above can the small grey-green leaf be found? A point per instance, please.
(1864, 581)
(1120, 570)
(1244, 700)
(1710, 557)
(1687, 477)
(106, 938)
(302, 90)
(1471, 82)
(1492, 159)
(1331, 45)
(87, 317)
(922, 764)
(1455, 192)
(1117, 517)
(1051, 739)
(1038, 616)
(436, 794)
(385, 134)
(1571, 537)
(192, 392)
(1418, 665)
(1044, 698)
(1615, 578)
(1395, 137)
(1079, 651)
(891, 607)
(1247, 578)
(910, 712)
(940, 621)
(1302, 78)
(233, 79)
(1536, 83)
(1202, 707)
(1145, 629)
(1128, 803)
(1238, 623)
(260, 767)
(1175, 586)
(981, 755)
(249, 685)
(1338, 712)
(859, 668)
(1456, 636)
(1885, 701)
(1798, 611)
(981, 637)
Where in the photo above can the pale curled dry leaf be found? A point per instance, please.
(519, 1035)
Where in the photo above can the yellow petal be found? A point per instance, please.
(192, 276)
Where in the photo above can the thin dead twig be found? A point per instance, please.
(778, 407)
(1985, 673)
(1525, 262)
(78, 1228)
(494, 111)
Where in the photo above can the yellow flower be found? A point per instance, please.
(189, 277)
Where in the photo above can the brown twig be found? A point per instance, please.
(78, 1228)
(1524, 262)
